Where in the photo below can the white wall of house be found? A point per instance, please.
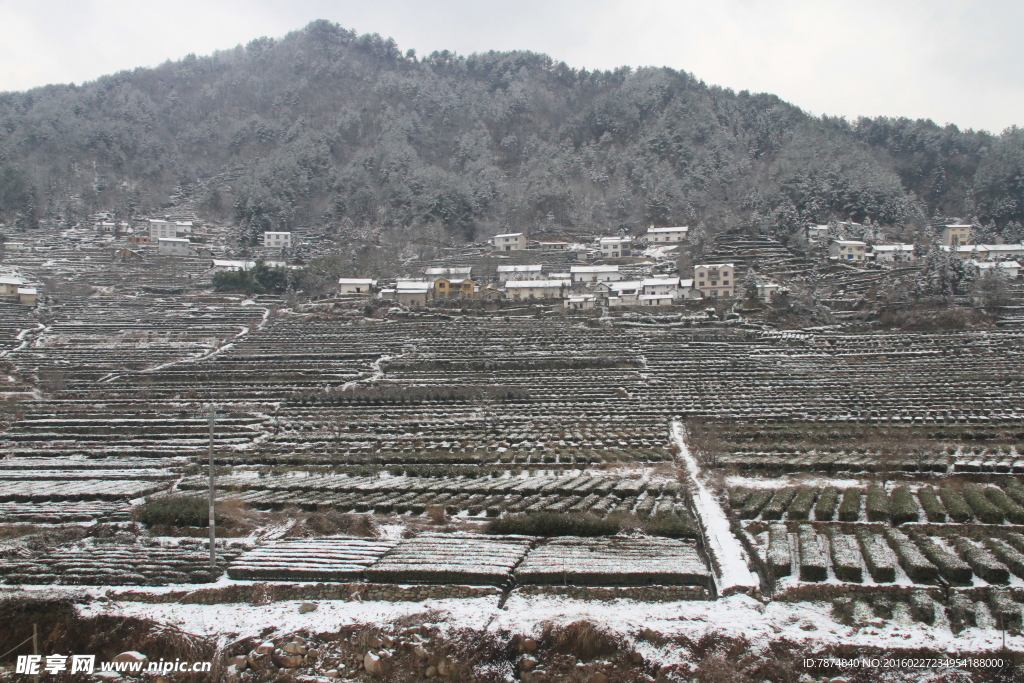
(510, 241)
(277, 240)
(715, 280)
(590, 274)
(174, 246)
(667, 235)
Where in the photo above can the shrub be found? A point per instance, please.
(958, 509)
(877, 504)
(553, 524)
(813, 566)
(983, 564)
(961, 613)
(932, 506)
(878, 557)
(738, 496)
(951, 567)
(776, 507)
(754, 504)
(780, 561)
(1016, 492)
(846, 558)
(917, 566)
(800, 508)
(1013, 512)
(902, 506)
(1007, 554)
(582, 639)
(670, 525)
(825, 508)
(922, 607)
(175, 510)
(849, 509)
(1005, 611)
(985, 510)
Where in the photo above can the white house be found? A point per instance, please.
(174, 246)
(27, 296)
(686, 289)
(355, 285)
(959, 231)
(510, 241)
(449, 273)
(595, 274)
(614, 247)
(159, 228)
(893, 253)
(1008, 268)
(715, 279)
(553, 246)
(277, 240)
(661, 286)
(537, 289)
(9, 285)
(221, 265)
(663, 235)
(522, 272)
(655, 300)
(816, 231)
(848, 250)
(579, 302)
(766, 288)
(413, 292)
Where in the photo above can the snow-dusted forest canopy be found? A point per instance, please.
(325, 126)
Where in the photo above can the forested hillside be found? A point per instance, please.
(324, 126)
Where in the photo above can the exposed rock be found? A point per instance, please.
(295, 648)
(307, 607)
(598, 677)
(527, 663)
(258, 660)
(443, 668)
(130, 656)
(238, 662)
(431, 671)
(313, 653)
(332, 673)
(265, 648)
(527, 645)
(372, 664)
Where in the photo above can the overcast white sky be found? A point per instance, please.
(954, 61)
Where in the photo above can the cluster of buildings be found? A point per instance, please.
(955, 237)
(14, 288)
(580, 287)
(608, 247)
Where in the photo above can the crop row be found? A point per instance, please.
(982, 504)
(924, 559)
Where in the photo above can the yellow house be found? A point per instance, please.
(453, 289)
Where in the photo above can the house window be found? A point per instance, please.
(725, 282)
(701, 284)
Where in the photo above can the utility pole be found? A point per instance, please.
(213, 521)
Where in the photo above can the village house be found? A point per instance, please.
(816, 232)
(988, 252)
(848, 250)
(1010, 269)
(27, 296)
(174, 246)
(412, 292)
(126, 254)
(161, 228)
(893, 253)
(766, 289)
(140, 238)
(452, 273)
(537, 289)
(553, 246)
(614, 247)
(511, 241)
(655, 300)
(587, 274)
(661, 286)
(221, 265)
(715, 279)
(579, 302)
(520, 272)
(961, 232)
(9, 285)
(669, 235)
(454, 289)
(355, 286)
(277, 240)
